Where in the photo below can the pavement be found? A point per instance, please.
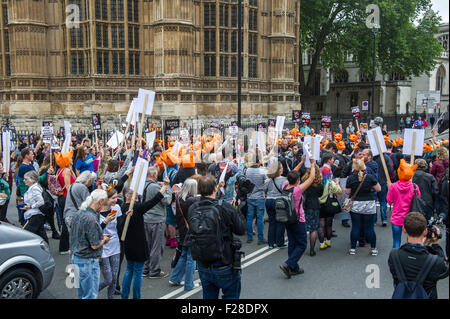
(331, 274)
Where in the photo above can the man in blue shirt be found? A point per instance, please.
(305, 129)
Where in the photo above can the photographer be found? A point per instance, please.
(413, 255)
(221, 258)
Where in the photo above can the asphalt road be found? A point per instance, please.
(331, 274)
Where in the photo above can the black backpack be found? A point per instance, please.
(411, 289)
(49, 203)
(285, 211)
(418, 204)
(206, 231)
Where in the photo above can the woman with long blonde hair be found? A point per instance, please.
(363, 205)
(311, 206)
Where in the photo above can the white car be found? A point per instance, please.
(26, 266)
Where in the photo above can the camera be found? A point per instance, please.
(237, 254)
(431, 228)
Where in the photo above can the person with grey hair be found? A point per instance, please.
(154, 222)
(77, 194)
(86, 242)
(185, 266)
(429, 190)
(33, 200)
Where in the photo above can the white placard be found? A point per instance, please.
(115, 140)
(6, 152)
(139, 107)
(139, 189)
(373, 144)
(234, 130)
(184, 134)
(150, 138)
(131, 111)
(308, 151)
(67, 127)
(47, 132)
(261, 141)
(408, 141)
(222, 177)
(66, 145)
(279, 125)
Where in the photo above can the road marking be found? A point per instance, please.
(196, 290)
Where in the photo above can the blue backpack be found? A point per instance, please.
(411, 289)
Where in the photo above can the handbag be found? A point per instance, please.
(348, 202)
(331, 206)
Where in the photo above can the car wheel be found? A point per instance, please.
(18, 283)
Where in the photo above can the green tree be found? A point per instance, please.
(331, 29)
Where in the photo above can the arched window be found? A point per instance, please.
(440, 76)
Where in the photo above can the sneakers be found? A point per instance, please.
(323, 246)
(298, 272)
(195, 286)
(145, 274)
(312, 252)
(352, 251)
(286, 270)
(384, 224)
(282, 246)
(374, 252)
(161, 274)
(328, 243)
(176, 284)
(64, 252)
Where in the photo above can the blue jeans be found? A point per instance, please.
(214, 279)
(361, 221)
(89, 276)
(297, 244)
(185, 267)
(383, 203)
(256, 206)
(396, 236)
(133, 272)
(276, 230)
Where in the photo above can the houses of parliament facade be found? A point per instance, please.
(72, 58)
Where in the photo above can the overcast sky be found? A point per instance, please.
(442, 7)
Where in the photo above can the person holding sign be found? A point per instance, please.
(135, 244)
(154, 222)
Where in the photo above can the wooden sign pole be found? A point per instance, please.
(413, 147)
(357, 124)
(386, 172)
(133, 200)
(125, 136)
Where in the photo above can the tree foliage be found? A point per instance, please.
(405, 44)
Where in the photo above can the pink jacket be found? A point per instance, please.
(400, 194)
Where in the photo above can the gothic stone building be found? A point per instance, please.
(185, 50)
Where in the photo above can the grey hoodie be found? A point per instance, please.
(79, 192)
(157, 214)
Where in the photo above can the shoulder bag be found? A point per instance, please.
(348, 202)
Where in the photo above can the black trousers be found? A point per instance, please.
(35, 224)
(64, 240)
(4, 211)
